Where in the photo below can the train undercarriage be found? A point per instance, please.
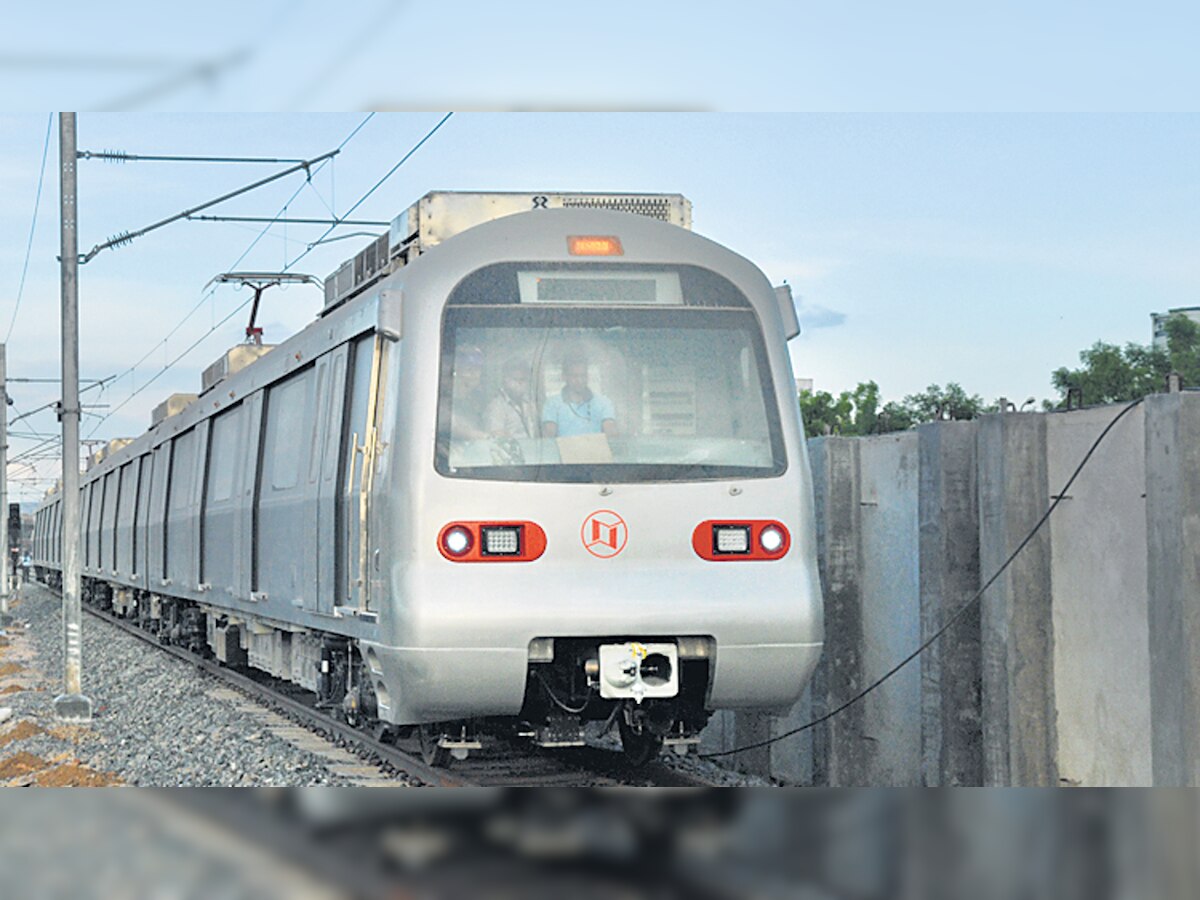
(578, 691)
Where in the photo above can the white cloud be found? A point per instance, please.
(820, 317)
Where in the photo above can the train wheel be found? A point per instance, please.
(434, 754)
(640, 746)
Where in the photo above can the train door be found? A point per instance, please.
(323, 477)
(359, 451)
(181, 541)
(222, 531)
(156, 519)
(283, 563)
(139, 565)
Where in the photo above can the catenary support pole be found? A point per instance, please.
(71, 705)
(5, 618)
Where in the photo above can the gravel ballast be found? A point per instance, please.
(157, 721)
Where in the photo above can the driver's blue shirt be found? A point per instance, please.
(586, 417)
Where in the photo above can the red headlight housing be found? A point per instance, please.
(728, 540)
(491, 541)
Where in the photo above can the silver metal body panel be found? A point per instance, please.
(447, 640)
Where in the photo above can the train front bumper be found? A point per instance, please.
(428, 685)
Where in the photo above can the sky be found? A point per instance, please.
(984, 249)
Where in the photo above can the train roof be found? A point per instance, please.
(440, 215)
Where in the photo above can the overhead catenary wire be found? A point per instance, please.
(153, 378)
(96, 383)
(954, 617)
(230, 315)
(392, 171)
(32, 228)
(127, 236)
(121, 156)
(278, 220)
(207, 294)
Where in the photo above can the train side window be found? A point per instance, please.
(182, 470)
(320, 412)
(287, 407)
(123, 558)
(223, 457)
(112, 493)
(140, 504)
(89, 523)
(360, 389)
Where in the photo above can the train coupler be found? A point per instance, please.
(560, 731)
(460, 741)
(680, 740)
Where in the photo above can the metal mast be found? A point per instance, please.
(5, 619)
(71, 705)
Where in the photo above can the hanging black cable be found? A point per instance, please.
(958, 613)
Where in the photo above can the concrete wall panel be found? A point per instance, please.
(1173, 561)
(1098, 571)
(1015, 616)
(949, 562)
(890, 598)
(839, 751)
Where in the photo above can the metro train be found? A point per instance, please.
(538, 465)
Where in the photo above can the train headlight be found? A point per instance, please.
(731, 538)
(456, 541)
(771, 539)
(501, 540)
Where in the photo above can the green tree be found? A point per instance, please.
(858, 412)
(1111, 374)
(825, 415)
(1183, 348)
(851, 413)
(934, 403)
(895, 417)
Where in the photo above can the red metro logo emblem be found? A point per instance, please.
(604, 534)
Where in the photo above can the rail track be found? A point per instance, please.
(501, 763)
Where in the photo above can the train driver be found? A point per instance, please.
(577, 409)
(469, 399)
(512, 414)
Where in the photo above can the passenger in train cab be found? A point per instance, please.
(469, 398)
(511, 413)
(577, 409)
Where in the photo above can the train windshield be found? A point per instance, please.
(597, 392)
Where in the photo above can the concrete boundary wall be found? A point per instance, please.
(1081, 663)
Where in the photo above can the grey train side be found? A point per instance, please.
(289, 519)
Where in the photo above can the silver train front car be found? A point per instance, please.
(374, 510)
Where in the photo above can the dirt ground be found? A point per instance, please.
(54, 764)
